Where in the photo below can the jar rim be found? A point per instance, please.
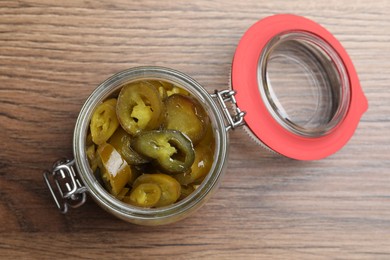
(319, 63)
(162, 215)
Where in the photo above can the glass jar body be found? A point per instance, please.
(155, 216)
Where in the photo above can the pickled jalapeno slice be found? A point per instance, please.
(199, 169)
(160, 88)
(139, 107)
(92, 157)
(173, 89)
(115, 171)
(104, 121)
(185, 191)
(171, 150)
(122, 193)
(121, 141)
(145, 195)
(170, 188)
(185, 114)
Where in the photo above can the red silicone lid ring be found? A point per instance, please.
(259, 119)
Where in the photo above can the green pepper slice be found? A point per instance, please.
(121, 140)
(160, 88)
(171, 150)
(186, 191)
(170, 188)
(115, 171)
(92, 157)
(144, 195)
(139, 107)
(200, 168)
(104, 121)
(185, 114)
(173, 89)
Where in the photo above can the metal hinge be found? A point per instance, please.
(64, 185)
(237, 117)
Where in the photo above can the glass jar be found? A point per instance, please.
(296, 83)
(123, 210)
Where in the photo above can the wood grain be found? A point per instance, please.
(54, 53)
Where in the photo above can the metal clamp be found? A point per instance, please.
(64, 186)
(224, 96)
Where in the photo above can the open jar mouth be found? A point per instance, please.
(303, 83)
(161, 215)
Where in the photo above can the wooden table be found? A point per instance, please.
(53, 54)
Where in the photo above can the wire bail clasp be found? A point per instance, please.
(234, 119)
(64, 185)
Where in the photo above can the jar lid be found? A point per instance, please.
(298, 86)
